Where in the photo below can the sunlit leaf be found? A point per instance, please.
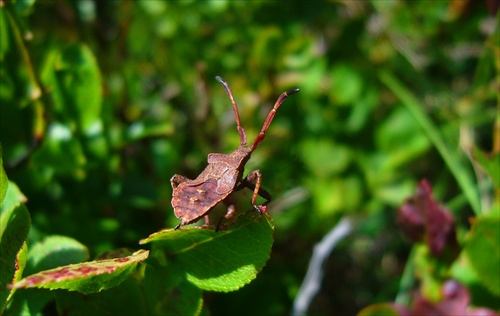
(219, 261)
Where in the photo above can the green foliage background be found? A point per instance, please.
(103, 101)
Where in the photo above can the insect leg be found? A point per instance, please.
(207, 220)
(230, 212)
(218, 225)
(262, 192)
(182, 223)
(256, 176)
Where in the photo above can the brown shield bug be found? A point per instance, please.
(194, 199)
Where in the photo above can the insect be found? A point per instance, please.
(194, 199)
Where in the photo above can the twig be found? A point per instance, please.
(312, 281)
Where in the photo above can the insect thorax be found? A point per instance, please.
(239, 156)
(234, 160)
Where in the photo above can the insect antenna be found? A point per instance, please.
(241, 131)
(270, 117)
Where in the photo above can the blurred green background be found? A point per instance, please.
(103, 101)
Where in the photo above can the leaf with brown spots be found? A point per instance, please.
(88, 277)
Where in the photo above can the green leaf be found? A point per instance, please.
(124, 299)
(347, 84)
(61, 151)
(29, 302)
(153, 7)
(55, 251)
(3, 178)
(334, 194)
(14, 228)
(32, 301)
(219, 261)
(457, 168)
(362, 109)
(87, 277)
(168, 292)
(328, 158)
(4, 34)
(24, 6)
(402, 147)
(13, 197)
(490, 163)
(18, 274)
(430, 270)
(77, 82)
(483, 251)
(382, 310)
(139, 130)
(21, 260)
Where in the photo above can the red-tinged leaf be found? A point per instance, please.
(481, 312)
(21, 259)
(87, 277)
(18, 274)
(423, 219)
(411, 219)
(455, 301)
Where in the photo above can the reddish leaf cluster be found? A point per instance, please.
(455, 301)
(423, 219)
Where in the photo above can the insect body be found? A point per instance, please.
(194, 199)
